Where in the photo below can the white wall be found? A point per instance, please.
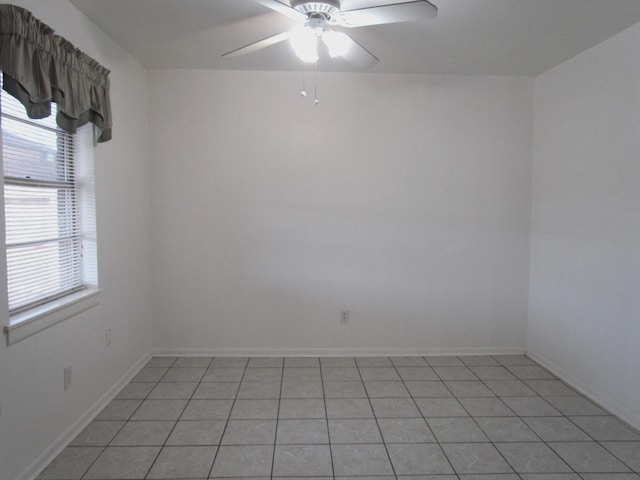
(403, 199)
(585, 250)
(37, 414)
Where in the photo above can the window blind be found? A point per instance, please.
(42, 212)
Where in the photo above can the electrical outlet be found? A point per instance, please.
(344, 316)
(67, 378)
(107, 337)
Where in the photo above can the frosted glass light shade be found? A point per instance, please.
(305, 44)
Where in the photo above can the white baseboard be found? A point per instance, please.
(43, 460)
(335, 352)
(603, 399)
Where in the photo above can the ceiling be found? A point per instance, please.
(490, 37)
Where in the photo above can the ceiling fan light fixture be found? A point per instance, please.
(305, 44)
(337, 43)
(317, 15)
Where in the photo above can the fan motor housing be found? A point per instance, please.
(326, 8)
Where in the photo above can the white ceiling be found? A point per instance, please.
(493, 37)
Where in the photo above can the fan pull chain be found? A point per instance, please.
(303, 92)
(315, 87)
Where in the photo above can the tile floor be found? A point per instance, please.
(412, 418)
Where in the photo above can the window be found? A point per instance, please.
(49, 206)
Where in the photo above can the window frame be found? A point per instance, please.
(52, 309)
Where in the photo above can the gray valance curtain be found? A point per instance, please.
(39, 67)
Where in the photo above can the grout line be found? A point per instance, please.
(233, 403)
(326, 419)
(393, 468)
(275, 436)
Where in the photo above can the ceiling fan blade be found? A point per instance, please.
(395, 13)
(357, 55)
(259, 45)
(283, 9)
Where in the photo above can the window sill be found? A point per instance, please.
(25, 324)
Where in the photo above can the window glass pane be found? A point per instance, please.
(33, 152)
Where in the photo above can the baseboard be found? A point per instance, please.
(40, 463)
(601, 398)
(335, 352)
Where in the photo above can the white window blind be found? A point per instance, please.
(45, 219)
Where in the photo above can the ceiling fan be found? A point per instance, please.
(316, 17)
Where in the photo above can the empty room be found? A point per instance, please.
(320, 240)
